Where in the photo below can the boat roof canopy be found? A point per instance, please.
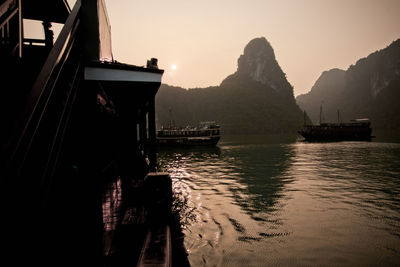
(46, 10)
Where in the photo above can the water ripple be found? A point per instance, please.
(308, 203)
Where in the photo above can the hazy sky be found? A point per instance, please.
(204, 39)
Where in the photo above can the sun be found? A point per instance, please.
(173, 67)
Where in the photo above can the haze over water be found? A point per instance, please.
(261, 201)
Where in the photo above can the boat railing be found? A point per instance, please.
(9, 38)
(49, 104)
(187, 132)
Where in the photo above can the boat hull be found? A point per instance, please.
(188, 141)
(336, 133)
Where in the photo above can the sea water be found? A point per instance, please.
(262, 200)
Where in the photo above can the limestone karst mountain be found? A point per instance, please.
(369, 88)
(257, 98)
(259, 63)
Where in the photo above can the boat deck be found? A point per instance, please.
(138, 223)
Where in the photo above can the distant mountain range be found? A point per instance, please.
(257, 98)
(368, 89)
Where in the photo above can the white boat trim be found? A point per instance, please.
(105, 74)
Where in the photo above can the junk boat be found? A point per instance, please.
(356, 130)
(205, 134)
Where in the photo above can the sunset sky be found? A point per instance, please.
(198, 42)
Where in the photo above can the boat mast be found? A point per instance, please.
(170, 117)
(320, 114)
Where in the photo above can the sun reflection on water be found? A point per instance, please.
(288, 203)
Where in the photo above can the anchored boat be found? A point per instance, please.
(356, 129)
(205, 134)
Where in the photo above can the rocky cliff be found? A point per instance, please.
(257, 98)
(259, 63)
(331, 83)
(369, 88)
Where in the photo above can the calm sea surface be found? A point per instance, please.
(258, 200)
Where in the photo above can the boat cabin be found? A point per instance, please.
(73, 119)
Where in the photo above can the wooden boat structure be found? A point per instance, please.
(79, 126)
(205, 134)
(355, 130)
